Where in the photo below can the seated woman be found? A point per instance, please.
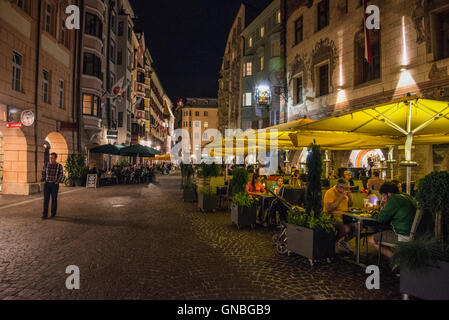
(276, 187)
(255, 186)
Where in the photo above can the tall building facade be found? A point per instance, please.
(36, 91)
(229, 91)
(198, 116)
(262, 84)
(327, 73)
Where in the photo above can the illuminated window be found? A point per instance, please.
(262, 31)
(248, 69)
(91, 105)
(250, 42)
(206, 124)
(262, 63)
(247, 99)
(278, 16)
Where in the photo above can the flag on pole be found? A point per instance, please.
(368, 53)
(116, 88)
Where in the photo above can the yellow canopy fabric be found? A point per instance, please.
(419, 117)
(425, 121)
(165, 157)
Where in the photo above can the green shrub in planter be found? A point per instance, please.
(239, 180)
(76, 169)
(207, 199)
(424, 261)
(243, 210)
(311, 236)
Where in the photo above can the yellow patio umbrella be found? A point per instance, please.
(412, 120)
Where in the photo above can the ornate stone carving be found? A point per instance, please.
(437, 73)
(325, 49)
(418, 21)
(301, 64)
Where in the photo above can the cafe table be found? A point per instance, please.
(360, 218)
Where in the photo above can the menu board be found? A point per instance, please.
(91, 181)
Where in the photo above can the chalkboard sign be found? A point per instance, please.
(91, 181)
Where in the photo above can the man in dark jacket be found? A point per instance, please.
(52, 174)
(399, 211)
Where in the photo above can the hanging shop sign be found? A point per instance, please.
(27, 118)
(263, 95)
(14, 125)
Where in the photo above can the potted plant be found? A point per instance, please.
(187, 185)
(207, 198)
(205, 172)
(424, 261)
(243, 210)
(239, 180)
(76, 169)
(311, 233)
(311, 236)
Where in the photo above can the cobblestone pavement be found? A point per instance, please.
(144, 242)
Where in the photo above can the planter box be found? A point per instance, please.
(207, 203)
(189, 195)
(314, 245)
(431, 284)
(202, 182)
(243, 216)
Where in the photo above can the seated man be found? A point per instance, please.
(375, 183)
(348, 178)
(399, 212)
(337, 201)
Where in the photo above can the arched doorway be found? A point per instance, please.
(55, 142)
(16, 163)
(362, 158)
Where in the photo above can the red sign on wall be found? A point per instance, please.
(14, 125)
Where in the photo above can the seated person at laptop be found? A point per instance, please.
(399, 212)
(255, 186)
(337, 201)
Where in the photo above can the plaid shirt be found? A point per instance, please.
(52, 172)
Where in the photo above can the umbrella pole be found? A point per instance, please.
(408, 163)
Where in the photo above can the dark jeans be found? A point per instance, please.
(51, 189)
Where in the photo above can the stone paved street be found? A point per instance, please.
(144, 242)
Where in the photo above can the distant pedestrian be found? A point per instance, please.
(52, 174)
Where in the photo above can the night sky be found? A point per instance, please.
(186, 39)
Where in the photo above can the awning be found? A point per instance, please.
(106, 149)
(139, 151)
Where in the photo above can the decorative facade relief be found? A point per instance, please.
(324, 50)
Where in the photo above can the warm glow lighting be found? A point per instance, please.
(404, 46)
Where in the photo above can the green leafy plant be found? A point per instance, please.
(313, 190)
(418, 254)
(322, 222)
(239, 180)
(242, 199)
(76, 167)
(208, 170)
(124, 163)
(433, 197)
(187, 172)
(207, 190)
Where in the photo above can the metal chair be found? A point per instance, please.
(416, 222)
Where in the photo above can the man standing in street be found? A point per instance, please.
(52, 175)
